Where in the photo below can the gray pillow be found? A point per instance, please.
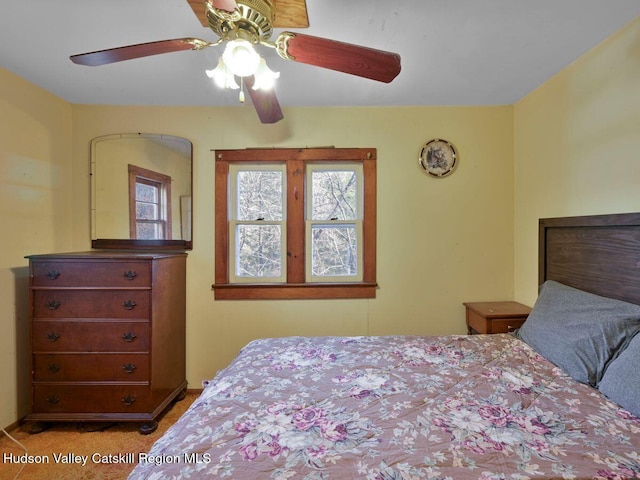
(578, 331)
(621, 380)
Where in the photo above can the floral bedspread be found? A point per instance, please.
(386, 408)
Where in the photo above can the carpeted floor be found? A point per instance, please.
(68, 441)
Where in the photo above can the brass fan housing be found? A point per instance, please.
(251, 21)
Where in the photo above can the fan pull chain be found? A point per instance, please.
(241, 90)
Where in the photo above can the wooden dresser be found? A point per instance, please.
(107, 336)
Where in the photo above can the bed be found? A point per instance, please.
(559, 399)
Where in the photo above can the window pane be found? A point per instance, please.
(334, 250)
(334, 195)
(258, 250)
(146, 193)
(146, 211)
(260, 195)
(148, 231)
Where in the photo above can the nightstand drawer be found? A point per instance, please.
(496, 325)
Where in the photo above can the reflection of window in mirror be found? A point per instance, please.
(149, 204)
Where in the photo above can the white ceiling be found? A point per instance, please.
(454, 52)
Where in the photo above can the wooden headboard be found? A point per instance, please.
(598, 254)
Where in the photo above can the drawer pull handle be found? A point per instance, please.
(54, 367)
(129, 304)
(53, 399)
(53, 336)
(130, 275)
(128, 337)
(53, 304)
(53, 274)
(129, 367)
(128, 400)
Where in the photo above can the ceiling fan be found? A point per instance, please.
(242, 24)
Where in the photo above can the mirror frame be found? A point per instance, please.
(130, 244)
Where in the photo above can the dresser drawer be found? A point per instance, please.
(89, 336)
(91, 398)
(91, 304)
(131, 367)
(100, 273)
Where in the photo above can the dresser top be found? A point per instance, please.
(106, 254)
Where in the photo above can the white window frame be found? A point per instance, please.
(357, 222)
(234, 223)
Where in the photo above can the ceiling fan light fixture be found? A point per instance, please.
(222, 76)
(243, 24)
(241, 58)
(265, 78)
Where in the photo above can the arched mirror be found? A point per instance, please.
(141, 191)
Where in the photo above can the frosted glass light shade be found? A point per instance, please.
(265, 78)
(241, 58)
(222, 76)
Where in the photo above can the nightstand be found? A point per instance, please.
(495, 317)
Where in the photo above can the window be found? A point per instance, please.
(295, 223)
(149, 204)
(333, 223)
(257, 229)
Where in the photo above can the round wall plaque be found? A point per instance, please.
(438, 157)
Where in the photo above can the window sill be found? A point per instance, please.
(297, 291)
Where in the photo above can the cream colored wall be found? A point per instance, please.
(35, 213)
(576, 146)
(440, 241)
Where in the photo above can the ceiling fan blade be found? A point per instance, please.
(342, 57)
(118, 54)
(265, 102)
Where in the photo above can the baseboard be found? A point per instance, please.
(195, 390)
(13, 426)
